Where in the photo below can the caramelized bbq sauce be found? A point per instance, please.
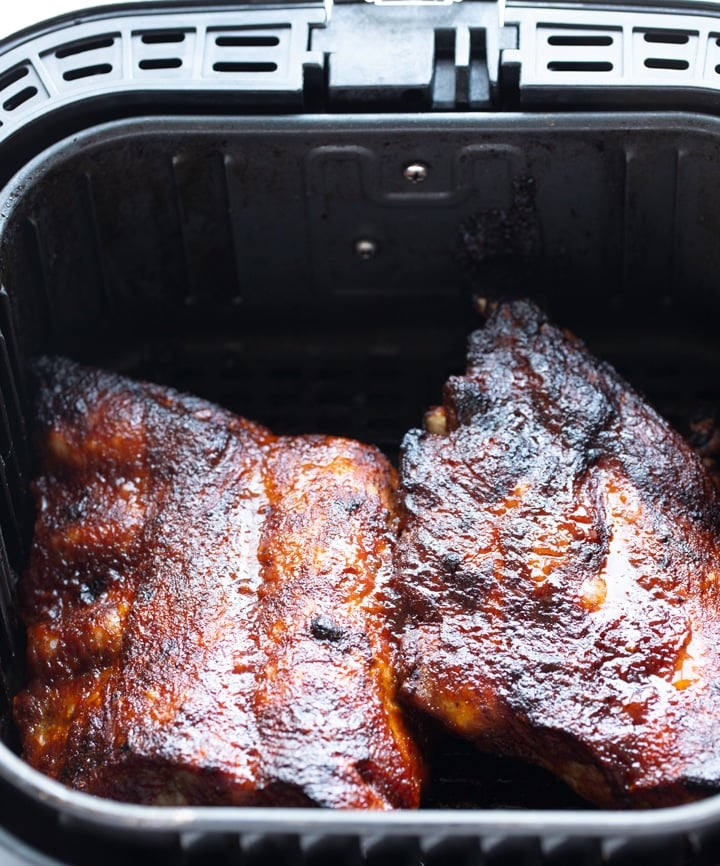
(559, 553)
(208, 606)
(459, 775)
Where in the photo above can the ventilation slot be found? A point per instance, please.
(666, 63)
(249, 52)
(19, 98)
(162, 38)
(580, 40)
(247, 41)
(85, 59)
(229, 66)
(161, 63)
(13, 76)
(667, 37)
(87, 71)
(580, 66)
(18, 86)
(579, 52)
(83, 47)
(163, 54)
(664, 52)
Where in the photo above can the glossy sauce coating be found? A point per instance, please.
(207, 606)
(559, 555)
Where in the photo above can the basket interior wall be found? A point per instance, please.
(291, 270)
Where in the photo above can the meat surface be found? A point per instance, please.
(208, 606)
(560, 559)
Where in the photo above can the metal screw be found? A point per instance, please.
(416, 172)
(366, 248)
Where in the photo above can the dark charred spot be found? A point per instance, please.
(451, 562)
(145, 592)
(74, 511)
(92, 590)
(368, 770)
(471, 585)
(323, 628)
(169, 647)
(465, 400)
(354, 504)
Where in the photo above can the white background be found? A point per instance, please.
(16, 15)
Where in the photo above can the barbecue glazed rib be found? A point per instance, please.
(560, 558)
(208, 606)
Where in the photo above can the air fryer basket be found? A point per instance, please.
(240, 203)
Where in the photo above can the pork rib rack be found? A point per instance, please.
(560, 558)
(208, 606)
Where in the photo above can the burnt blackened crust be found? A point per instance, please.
(559, 558)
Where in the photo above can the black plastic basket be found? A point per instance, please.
(271, 207)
